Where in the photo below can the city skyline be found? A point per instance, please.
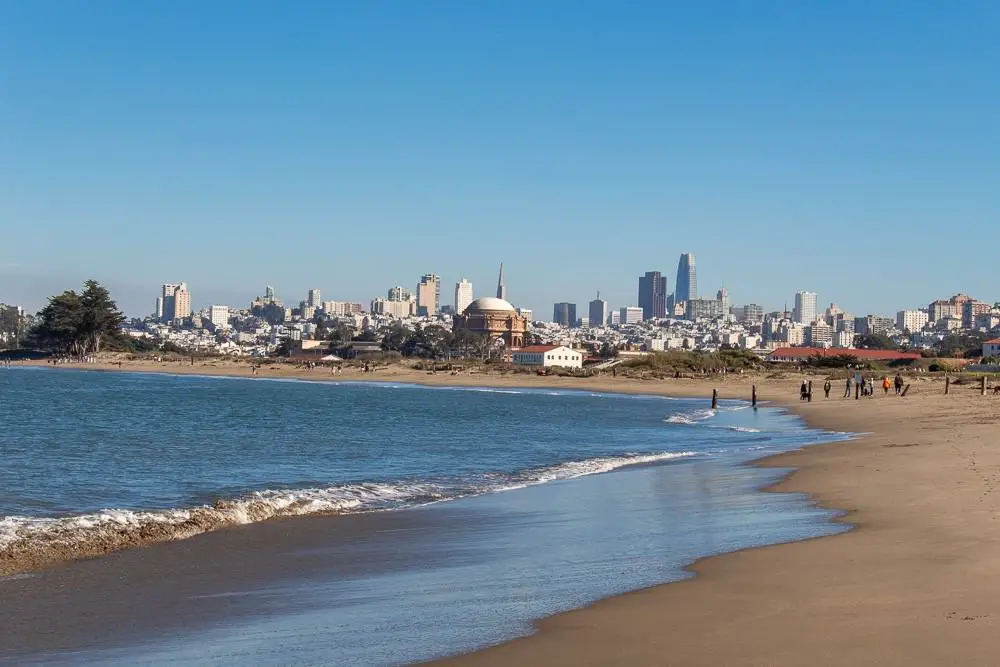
(846, 123)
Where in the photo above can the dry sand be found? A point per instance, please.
(915, 584)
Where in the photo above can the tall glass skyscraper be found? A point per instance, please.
(686, 287)
(653, 295)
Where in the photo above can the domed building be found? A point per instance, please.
(493, 317)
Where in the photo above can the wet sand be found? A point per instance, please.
(916, 583)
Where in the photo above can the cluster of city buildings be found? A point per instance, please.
(661, 319)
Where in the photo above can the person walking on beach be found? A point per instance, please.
(850, 386)
(885, 385)
(826, 389)
(898, 382)
(804, 391)
(871, 386)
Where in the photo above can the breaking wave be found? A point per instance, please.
(692, 417)
(112, 529)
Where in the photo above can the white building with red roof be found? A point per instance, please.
(991, 348)
(548, 355)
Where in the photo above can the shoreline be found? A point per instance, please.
(48, 549)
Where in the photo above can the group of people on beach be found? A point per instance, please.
(856, 384)
(866, 387)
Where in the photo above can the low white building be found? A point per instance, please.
(991, 348)
(548, 355)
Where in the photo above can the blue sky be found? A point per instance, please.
(848, 148)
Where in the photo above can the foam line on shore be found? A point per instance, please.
(28, 542)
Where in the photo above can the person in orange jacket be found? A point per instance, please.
(886, 384)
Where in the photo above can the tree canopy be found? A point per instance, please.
(77, 324)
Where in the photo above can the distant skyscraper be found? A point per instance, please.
(805, 307)
(315, 300)
(686, 286)
(653, 295)
(429, 295)
(501, 285)
(723, 296)
(565, 314)
(598, 312)
(463, 295)
(175, 302)
(399, 294)
(268, 294)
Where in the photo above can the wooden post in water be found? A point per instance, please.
(753, 396)
(947, 384)
(982, 385)
(715, 399)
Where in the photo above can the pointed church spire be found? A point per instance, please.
(501, 285)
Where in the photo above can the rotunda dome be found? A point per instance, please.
(489, 303)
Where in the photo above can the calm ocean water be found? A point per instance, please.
(85, 452)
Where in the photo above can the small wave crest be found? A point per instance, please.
(34, 539)
(690, 418)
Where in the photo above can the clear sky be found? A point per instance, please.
(850, 148)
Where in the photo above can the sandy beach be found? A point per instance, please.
(912, 584)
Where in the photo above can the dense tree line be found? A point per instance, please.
(78, 324)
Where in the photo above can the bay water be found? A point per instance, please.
(506, 504)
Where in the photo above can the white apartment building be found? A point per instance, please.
(805, 307)
(794, 335)
(526, 313)
(463, 295)
(844, 339)
(630, 315)
(820, 334)
(549, 355)
(219, 316)
(911, 320)
(315, 299)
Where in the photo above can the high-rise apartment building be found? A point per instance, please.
(463, 295)
(598, 312)
(314, 300)
(174, 302)
(565, 314)
(399, 294)
(805, 307)
(219, 316)
(429, 295)
(753, 313)
(911, 320)
(686, 286)
(653, 295)
(527, 314)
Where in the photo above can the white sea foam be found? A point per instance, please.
(267, 504)
(690, 418)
